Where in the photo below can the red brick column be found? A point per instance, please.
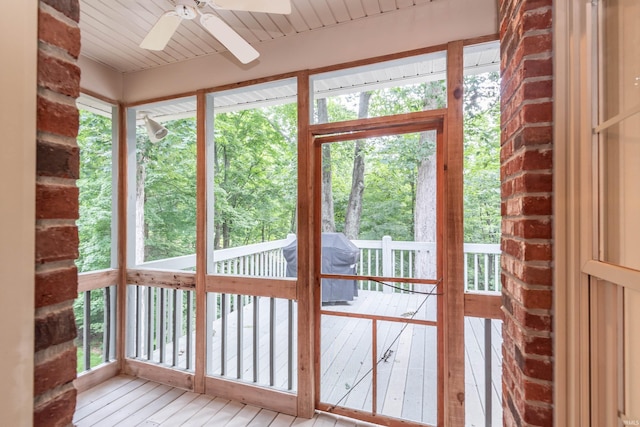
(526, 176)
(56, 211)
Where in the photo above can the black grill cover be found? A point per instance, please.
(339, 256)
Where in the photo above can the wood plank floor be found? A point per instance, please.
(127, 401)
(406, 379)
(475, 407)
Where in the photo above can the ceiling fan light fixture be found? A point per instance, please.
(154, 129)
(186, 11)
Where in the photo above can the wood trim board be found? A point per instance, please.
(168, 376)
(484, 306)
(122, 236)
(96, 376)
(162, 279)
(97, 279)
(307, 287)
(453, 399)
(389, 125)
(307, 318)
(274, 400)
(201, 242)
(254, 286)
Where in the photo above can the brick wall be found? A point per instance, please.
(526, 175)
(57, 168)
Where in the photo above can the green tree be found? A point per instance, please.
(255, 175)
(94, 222)
(482, 158)
(167, 169)
(95, 192)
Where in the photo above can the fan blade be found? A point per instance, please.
(266, 6)
(161, 32)
(229, 38)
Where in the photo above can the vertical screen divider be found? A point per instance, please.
(453, 326)
(201, 240)
(307, 312)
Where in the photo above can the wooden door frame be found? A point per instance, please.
(451, 331)
(453, 343)
(434, 120)
(453, 242)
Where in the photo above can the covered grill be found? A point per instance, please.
(339, 256)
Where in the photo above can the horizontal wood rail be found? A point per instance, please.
(97, 375)
(369, 417)
(253, 286)
(170, 377)
(162, 279)
(248, 394)
(381, 318)
(384, 260)
(97, 279)
(621, 276)
(484, 305)
(371, 133)
(390, 123)
(381, 279)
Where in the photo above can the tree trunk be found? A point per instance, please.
(226, 222)
(217, 234)
(425, 212)
(354, 208)
(141, 227)
(425, 215)
(328, 214)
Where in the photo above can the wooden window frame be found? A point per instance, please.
(93, 280)
(304, 403)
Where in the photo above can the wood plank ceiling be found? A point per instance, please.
(112, 30)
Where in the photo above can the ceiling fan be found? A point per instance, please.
(168, 23)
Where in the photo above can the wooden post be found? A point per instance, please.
(306, 309)
(454, 237)
(201, 242)
(121, 285)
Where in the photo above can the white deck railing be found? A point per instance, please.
(251, 339)
(386, 257)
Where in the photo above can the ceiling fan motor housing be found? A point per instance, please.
(186, 9)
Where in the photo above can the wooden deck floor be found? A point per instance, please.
(407, 377)
(406, 386)
(125, 401)
(474, 372)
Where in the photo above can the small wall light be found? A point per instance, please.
(155, 130)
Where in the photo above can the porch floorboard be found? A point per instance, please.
(406, 379)
(125, 401)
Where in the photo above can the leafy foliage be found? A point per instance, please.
(94, 223)
(255, 170)
(254, 177)
(169, 190)
(392, 162)
(482, 158)
(95, 186)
